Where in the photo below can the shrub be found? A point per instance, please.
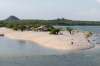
(54, 31)
(69, 29)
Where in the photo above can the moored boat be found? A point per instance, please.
(1, 34)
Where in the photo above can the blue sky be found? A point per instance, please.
(51, 9)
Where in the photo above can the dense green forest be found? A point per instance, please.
(16, 24)
(60, 22)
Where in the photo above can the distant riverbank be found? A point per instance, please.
(65, 42)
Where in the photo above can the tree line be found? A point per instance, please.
(58, 22)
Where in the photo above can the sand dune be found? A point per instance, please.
(59, 42)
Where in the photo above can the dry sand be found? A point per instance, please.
(59, 42)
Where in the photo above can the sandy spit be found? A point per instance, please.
(59, 42)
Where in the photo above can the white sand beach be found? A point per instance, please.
(59, 42)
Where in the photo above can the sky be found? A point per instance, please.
(88, 10)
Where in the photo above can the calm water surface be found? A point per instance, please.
(89, 28)
(24, 53)
(10, 47)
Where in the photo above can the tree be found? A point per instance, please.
(54, 31)
(51, 27)
(36, 25)
(9, 26)
(69, 29)
(22, 27)
(15, 28)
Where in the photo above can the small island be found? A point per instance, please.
(46, 35)
(64, 41)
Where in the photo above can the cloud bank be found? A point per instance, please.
(98, 1)
(51, 9)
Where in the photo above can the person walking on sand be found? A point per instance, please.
(97, 34)
(71, 43)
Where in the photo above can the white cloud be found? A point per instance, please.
(98, 1)
(92, 14)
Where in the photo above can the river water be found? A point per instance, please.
(25, 53)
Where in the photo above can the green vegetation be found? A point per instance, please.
(16, 27)
(88, 34)
(54, 30)
(69, 29)
(60, 22)
(15, 23)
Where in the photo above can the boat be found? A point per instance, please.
(1, 34)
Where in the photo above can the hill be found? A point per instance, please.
(12, 18)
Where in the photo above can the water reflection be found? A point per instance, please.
(16, 53)
(22, 48)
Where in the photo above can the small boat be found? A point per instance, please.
(1, 34)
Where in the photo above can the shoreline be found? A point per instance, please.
(57, 42)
